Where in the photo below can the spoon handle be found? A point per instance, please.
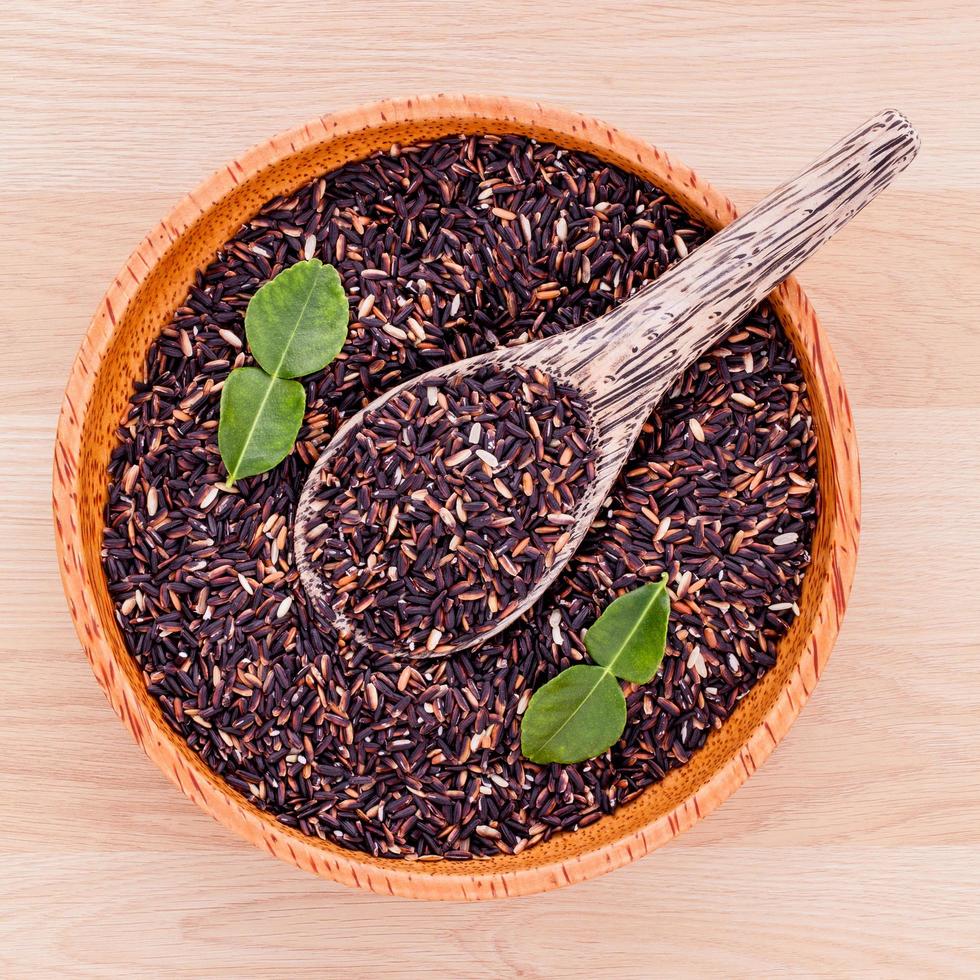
(631, 356)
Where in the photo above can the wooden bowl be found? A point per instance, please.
(142, 300)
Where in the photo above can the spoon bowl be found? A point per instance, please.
(309, 517)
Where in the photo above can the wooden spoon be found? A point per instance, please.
(623, 362)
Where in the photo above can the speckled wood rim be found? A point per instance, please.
(141, 300)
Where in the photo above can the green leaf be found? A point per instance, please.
(575, 716)
(630, 635)
(582, 711)
(260, 419)
(296, 323)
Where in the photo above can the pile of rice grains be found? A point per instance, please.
(447, 250)
(435, 518)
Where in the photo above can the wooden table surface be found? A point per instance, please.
(856, 849)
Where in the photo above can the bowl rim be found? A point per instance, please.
(211, 792)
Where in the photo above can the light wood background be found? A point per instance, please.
(856, 850)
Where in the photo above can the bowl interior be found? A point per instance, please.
(142, 301)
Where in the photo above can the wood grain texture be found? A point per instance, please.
(855, 850)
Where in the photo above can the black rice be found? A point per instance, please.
(447, 250)
(438, 514)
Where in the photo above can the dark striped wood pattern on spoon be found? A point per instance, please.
(624, 362)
